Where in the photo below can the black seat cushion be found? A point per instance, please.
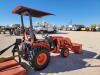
(51, 42)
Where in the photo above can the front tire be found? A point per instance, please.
(64, 52)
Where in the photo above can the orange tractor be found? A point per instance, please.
(37, 51)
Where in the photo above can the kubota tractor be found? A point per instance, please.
(37, 51)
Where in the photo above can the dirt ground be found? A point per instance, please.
(87, 63)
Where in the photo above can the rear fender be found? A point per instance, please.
(41, 44)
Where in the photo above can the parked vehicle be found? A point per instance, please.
(87, 28)
(92, 28)
(97, 27)
(37, 51)
(2, 29)
(77, 27)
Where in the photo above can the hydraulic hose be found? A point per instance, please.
(4, 50)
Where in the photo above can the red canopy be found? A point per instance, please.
(33, 12)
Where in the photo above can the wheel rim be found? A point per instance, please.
(42, 58)
(66, 53)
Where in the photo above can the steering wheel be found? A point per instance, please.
(45, 36)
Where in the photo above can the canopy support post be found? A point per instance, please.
(22, 23)
(32, 35)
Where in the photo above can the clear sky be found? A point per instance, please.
(80, 11)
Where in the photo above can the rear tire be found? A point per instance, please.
(41, 58)
(64, 52)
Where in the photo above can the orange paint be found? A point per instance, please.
(11, 67)
(42, 58)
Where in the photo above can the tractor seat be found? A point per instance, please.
(51, 42)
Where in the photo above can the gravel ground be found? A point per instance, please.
(87, 63)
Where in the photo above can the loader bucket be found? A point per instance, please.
(77, 48)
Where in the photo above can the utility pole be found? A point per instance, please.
(70, 22)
